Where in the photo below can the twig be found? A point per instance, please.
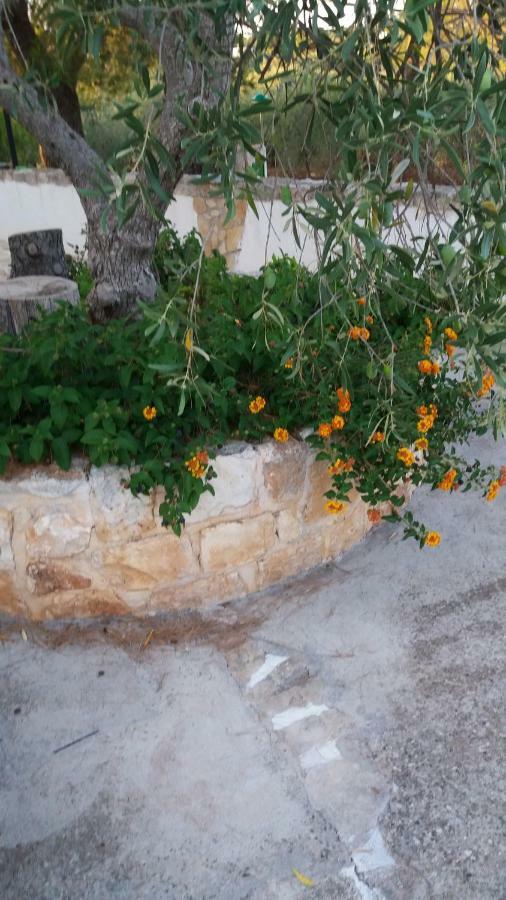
(77, 741)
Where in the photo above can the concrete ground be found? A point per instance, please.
(348, 729)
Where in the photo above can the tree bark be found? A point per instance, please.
(22, 299)
(38, 253)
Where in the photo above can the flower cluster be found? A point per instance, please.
(447, 483)
(343, 400)
(281, 435)
(487, 384)
(334, 506)
(432, 539)
(406, 456)
(493, 490)
(356, 333)
(197, 464)
(257, 405)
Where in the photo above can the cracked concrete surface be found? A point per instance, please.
(350, 726)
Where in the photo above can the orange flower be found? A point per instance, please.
(428, 324)
(289, 363)
(425, 366)
(427, 344)
(343, 398)
(197, 464)
(422, 444)
(422, 410)
(325, 429)
(336, 467)
(493, 490)
(435, 368)
(487, 384)
(257, 405)
(433, 410)
(425, 423)
(450, 350)
(378, 437)
(406, 456)
(446, 483)
(502, 476)
(373, 515)
(281, 435)
(369, 320)
(432, 539)
(356, 333)
(361, 301)
(149, 413)
(338, 423)
(334, 506)
(451, 334)
(365, 334)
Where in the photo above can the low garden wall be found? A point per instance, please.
(77, 543)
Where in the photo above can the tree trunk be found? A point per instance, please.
(22, 299)
(38, 253)
(121, 260)
(67, 101)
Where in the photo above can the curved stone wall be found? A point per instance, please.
(77, 543)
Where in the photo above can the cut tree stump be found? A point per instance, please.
(38, 253)
(22, 299)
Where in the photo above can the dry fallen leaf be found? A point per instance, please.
(304, 879)
(147, 639)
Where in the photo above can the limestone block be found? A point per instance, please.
(6, 554)
(140, 565)
(235, 487)
(208, 591)
(117, 514)
(43, 481)
(75, 604)
(46, 578)
(318, 482)
(347, 528)
(230, 544)
(289, 525)
(288, 560)
(11, 602)
(284, 473)
(58, 530)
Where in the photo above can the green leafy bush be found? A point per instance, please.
(263, 355)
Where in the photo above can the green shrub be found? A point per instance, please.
(160, 396)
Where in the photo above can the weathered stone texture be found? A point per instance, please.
(76, 544)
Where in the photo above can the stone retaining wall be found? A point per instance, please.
(77, 543)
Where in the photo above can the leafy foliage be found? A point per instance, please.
(155, 393)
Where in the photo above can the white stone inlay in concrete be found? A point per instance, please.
(296, 714)
(373, 854)
(271, 662)
(320, 756)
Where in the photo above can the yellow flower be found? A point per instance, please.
(425, 423)
(281, 435)
(378, 437)
(289, 363)
(422, 444)
(406, 456)
(343, 398)
(334, 506)
(428, 325)
(451, 334)
(493, 490)
(149, 412)
(256, 405)
(338, 423)
(325, 429)
(427, 344)
(425, 366)
(432, 539)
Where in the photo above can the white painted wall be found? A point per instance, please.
(35, 200)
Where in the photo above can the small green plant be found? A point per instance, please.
(392, 387)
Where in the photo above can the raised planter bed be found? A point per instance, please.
(77, 543)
